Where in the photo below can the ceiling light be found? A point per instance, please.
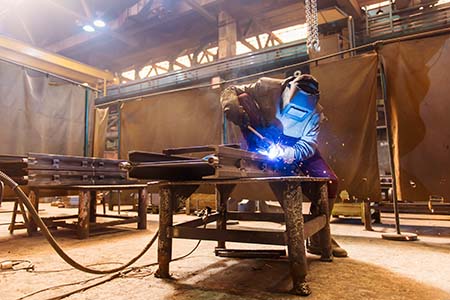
(88, 28)
(99, 23)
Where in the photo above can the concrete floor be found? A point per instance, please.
(376, 268)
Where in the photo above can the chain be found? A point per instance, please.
(312, 25)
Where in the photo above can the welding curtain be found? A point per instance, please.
(418, 87)
(178, 119)
(347, 138)
(39, 113)
(100, 128)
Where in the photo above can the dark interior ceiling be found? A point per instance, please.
(139, 30)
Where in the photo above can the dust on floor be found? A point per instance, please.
(376, 268)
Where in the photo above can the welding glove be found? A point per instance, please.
(237, 115)
(287, 154)
(284, 153)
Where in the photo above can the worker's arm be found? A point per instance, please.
(261, 91)
(307, 145)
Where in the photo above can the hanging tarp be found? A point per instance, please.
(418, 89)
(100, 128)
(40, 113)
(347, 138)
(178, 119)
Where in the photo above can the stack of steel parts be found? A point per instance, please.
(203, 162)
(37, 169)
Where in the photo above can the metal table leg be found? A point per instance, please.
(93, 207)
(293, 211)
(170, 197)
(325, 233)
(34, 198)
(223, 192)
(142, 208)
(291, 199)
(83, 214)
(165, 222)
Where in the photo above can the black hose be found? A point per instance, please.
(34, 215)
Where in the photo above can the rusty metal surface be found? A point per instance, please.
(289, 192)
(220, 161)
(38, 169)
(303, 179)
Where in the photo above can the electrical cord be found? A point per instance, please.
(34, 215)
(204, 214)
(116, 272)
(72, 269)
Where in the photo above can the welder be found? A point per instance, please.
(281, 118)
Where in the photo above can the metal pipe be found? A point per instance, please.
(351, 33)
(387, 119)
(86, 122)
(48, 73)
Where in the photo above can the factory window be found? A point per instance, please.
(145, 72)
(250, 44)
(241, 49)
(131, 75)
(183, 62)
(292, 33)
(207, 55)
(162, 67)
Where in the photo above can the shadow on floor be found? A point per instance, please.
(269, 279)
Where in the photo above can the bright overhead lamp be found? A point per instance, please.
(99, 23)
(88, 28)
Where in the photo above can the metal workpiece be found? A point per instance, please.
(39, 169)
(208, 162)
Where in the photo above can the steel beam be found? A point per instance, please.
(130, 12)
(201, 10)
(29, 56)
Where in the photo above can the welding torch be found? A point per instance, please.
(260, 136)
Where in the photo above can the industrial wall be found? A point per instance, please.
(39, 113)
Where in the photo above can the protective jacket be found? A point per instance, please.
(266, 94)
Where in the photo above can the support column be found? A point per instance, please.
(227, 35)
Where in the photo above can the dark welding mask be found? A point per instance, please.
(299, 98)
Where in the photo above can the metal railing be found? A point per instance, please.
(406, 21)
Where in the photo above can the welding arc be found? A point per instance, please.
(34, 215)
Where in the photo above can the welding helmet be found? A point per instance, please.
(299, 98)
